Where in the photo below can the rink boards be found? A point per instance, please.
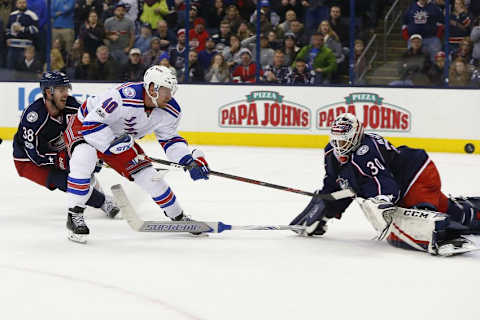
(440, 120)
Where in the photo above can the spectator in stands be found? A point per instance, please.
(219, 70)
(315, 11)
(475, 37)
(154, 11)
(271, 16)
(74, 57)
(144, 39)
(265, 24)
(120, 32)
(273, 41)
(460, 23)
(359, 63)
(56, 61)
(337, 25)
(167, 37)
(30, 63)
(426, 19)
(107, 10)
(246, 71)
(301, 73)
(165, 61)
(215, 15)
(464, 51)
(22, 27)
(6, 7)
(82, 69)
(302, 39)
(278, 71)
(59, 44)
(475, 8)
(205, 56)
(132, 9)
(414, 64)
(151, 56)
(40, 41)
(459, 74)
(222, 39)
(290, 48)
(92, 34)
(232, 53)
(319, 58)
(281, 7)
(233, 17)
(436, 72)
(198, 35)
(284, 27)
(63, 26)
(266, 53)
(332, 41)
(104, 67)
(83, 9)
(178, 53)
(134, 69)
(244, 31)
(196, 73)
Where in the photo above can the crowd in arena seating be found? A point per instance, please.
(301, 41)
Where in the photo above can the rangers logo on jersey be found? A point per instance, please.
(32, 116)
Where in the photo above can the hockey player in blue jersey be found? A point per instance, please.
(387, 180)
(38, 146)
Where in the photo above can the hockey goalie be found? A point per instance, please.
(398, 189)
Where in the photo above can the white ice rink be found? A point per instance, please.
(236, 275)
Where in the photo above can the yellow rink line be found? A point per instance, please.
(298, 140)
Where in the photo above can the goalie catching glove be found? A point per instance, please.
(196, 165)
(313, 217)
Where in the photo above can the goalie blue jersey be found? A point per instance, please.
(374, 168)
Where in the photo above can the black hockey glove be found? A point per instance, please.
(313, 217)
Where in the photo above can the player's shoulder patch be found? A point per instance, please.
(32, 116)
(128, 92)
(362, 150)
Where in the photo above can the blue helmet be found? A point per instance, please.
(53, 79)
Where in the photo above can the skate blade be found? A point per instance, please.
(78, 238)
(450, 250)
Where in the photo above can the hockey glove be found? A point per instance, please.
(379, 212)
(196, 165)
(61, 160)
(313, 217)
(120, 144)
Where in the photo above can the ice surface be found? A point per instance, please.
(240, 275)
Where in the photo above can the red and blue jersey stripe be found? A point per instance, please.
(166, 199)
(78, 186)
(168, 143)
(92, 127)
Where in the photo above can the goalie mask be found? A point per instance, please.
(346, 134)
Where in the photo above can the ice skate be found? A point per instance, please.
(455, 246)
(77, 229)
(184, 217)
(110, 207)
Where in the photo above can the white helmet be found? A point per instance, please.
(160, 76)
(346, 134)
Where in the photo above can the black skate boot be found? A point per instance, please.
(455, 246)
(77, 229)
(110, 207)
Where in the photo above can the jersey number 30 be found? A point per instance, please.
(109, 105)
(375, 165)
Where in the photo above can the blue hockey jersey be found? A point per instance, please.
(375, 168)
(423, 20)
(40, 136)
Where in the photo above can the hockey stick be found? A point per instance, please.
(347, 193)
(129, 213)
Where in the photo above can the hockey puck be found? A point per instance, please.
(469, 148)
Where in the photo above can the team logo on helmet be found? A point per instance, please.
(362, 150)
(32, 116)
(128, 92)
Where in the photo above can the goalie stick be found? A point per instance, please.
(129, 213)
(346, 193)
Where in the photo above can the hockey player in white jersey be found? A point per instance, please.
(106, 127)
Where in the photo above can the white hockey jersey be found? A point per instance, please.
(121, 111)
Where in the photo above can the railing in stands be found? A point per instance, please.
(373, 43)
(395, 12)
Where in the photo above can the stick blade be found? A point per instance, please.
(126, 208)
